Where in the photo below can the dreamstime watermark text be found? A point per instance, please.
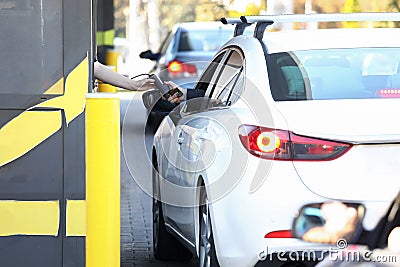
(340, 253)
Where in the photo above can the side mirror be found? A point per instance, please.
(150, 98)
(149, 55)
(329, 222)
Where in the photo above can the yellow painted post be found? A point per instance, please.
(102, 180)
(112, 63)
(112, 59)
(105, 87)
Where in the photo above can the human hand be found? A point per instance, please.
(339, 217)
(174, 98)
(143, 84)
(394, 240)
(340, 223)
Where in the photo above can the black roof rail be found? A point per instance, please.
(240, 25)
(260, 29)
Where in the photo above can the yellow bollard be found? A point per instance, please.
(112, 63)
(102, 180)
(112, 59)
(105, 87)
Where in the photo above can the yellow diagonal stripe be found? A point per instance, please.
(56, 89)
(76, 218)
(25, 132)
(29, 218)
(30, 128)
(76, 87)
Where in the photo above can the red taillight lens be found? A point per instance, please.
(307, 148)
(279, 234)
(265, 142)
(179, 69)
(388, 93)
(275, 144)
(175, 67)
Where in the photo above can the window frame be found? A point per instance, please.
(235, 77)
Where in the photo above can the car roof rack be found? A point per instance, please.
(265, 20)
(332, 17)
(240, 25)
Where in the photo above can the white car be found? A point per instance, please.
(288, 118)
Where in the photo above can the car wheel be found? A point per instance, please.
(207, 254)
(165, 246)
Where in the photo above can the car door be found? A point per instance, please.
(196, 130)
(219, 122)
(180, 159)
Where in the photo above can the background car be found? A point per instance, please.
(187, 49)
(288, 118)
(183, 55)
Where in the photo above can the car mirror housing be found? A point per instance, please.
(329, 222)
(150, 98)
(148, 54)
(153, 101)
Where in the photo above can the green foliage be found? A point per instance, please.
(175, 11)
(351, 6)
(251, 9)
(210, 10)
(394, 5)
(119, 17)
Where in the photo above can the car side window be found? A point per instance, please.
(166, 48)
(230, 83)
(232, 90)
(206, 79)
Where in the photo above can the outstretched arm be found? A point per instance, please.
(106, 75)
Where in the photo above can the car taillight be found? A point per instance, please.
(388, 93)
(178, 69)
(276, 144)
(279, 234)
(265, 142)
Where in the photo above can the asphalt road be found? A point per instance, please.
(136, 216)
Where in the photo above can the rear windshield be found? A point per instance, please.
(355, 73)
(203, 40)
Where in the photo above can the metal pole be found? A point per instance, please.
(308, 7)
(154, 24)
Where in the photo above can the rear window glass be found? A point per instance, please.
(203, 40)
(335, 74)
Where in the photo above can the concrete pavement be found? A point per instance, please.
(136, 215)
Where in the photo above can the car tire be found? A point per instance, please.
(207, 254)
(166, 246)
